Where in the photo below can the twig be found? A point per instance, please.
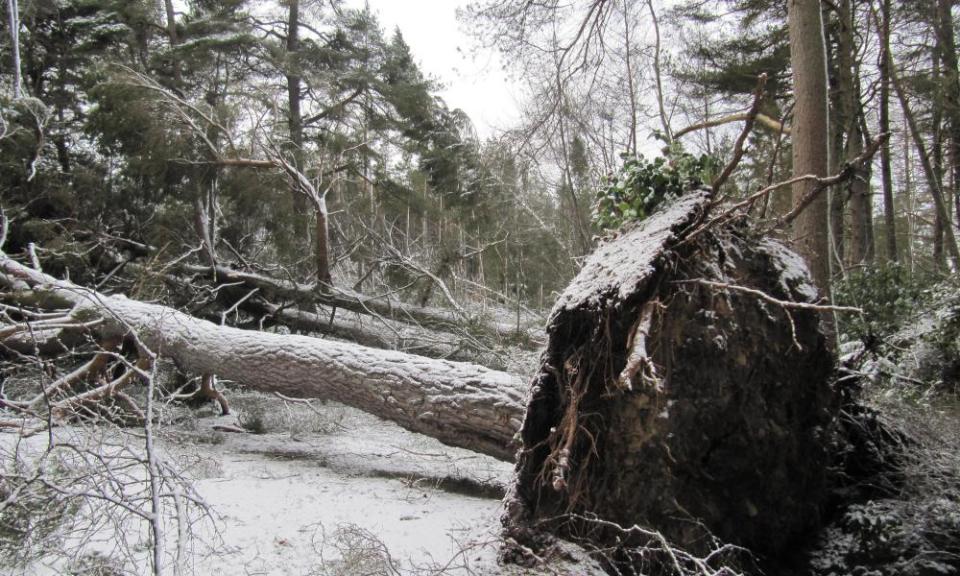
(764, 296)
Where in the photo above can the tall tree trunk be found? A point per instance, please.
(908, 190)
(457, 403)
(61, 133)
(657, 76)
(889, 215)
(861, 249)
(837, 205)
(951, 90)
(581, 228)
(941, 221)
(294, 114)
(810, 134)
(839, 67)
(205, 194)
(13, 19)
(631, 88)
(174, 40)
(858, 187)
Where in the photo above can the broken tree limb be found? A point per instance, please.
(764, 120)
(459, 404)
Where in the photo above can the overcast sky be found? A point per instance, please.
(473, 82)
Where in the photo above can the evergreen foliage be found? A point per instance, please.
(642, 185)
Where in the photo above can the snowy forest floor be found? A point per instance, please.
(318, 489)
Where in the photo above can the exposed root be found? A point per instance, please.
(208, 389)
(639, 362)
(639, 550)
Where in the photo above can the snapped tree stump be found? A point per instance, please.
(672, 396)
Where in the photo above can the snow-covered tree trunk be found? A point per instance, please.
(458, 403)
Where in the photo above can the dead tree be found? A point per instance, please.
(458, 403)
(685, 387)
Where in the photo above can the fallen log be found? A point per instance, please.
(432, 332)
(460, 404)
(686, 388)
(309, 295)
(378, 331)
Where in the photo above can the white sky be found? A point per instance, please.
(474, 83)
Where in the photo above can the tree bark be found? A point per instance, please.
(810, 133)
(936, 150)
(295, 117)
(858, 187)
(174, 40)
(13, 21)
(951, 89)
(322, 248)
(459, 404)
(861, 208)
(889, 215)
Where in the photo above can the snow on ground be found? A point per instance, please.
(288, 501)
(326, 490)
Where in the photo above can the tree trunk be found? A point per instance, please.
(951, 89)
(668, 399)
(174, 40)
(809, 133)
(322, 249)
(457, 403)
(13, 20)
(858, 187)
(294, 115)
(889, 215)
(861, 249)
(936, 154)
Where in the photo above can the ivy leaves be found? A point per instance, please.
(642, 185)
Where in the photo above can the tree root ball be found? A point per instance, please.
(672, 397)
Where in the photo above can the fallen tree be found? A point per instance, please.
(310, 295)
(116, 254)
(458, 403)
(228, 299)
(257, 300)
(686, 387)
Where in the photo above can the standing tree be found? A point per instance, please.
(13, 17)
(809, 133)
(889, 221)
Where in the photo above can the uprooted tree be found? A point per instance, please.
(685, 385)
